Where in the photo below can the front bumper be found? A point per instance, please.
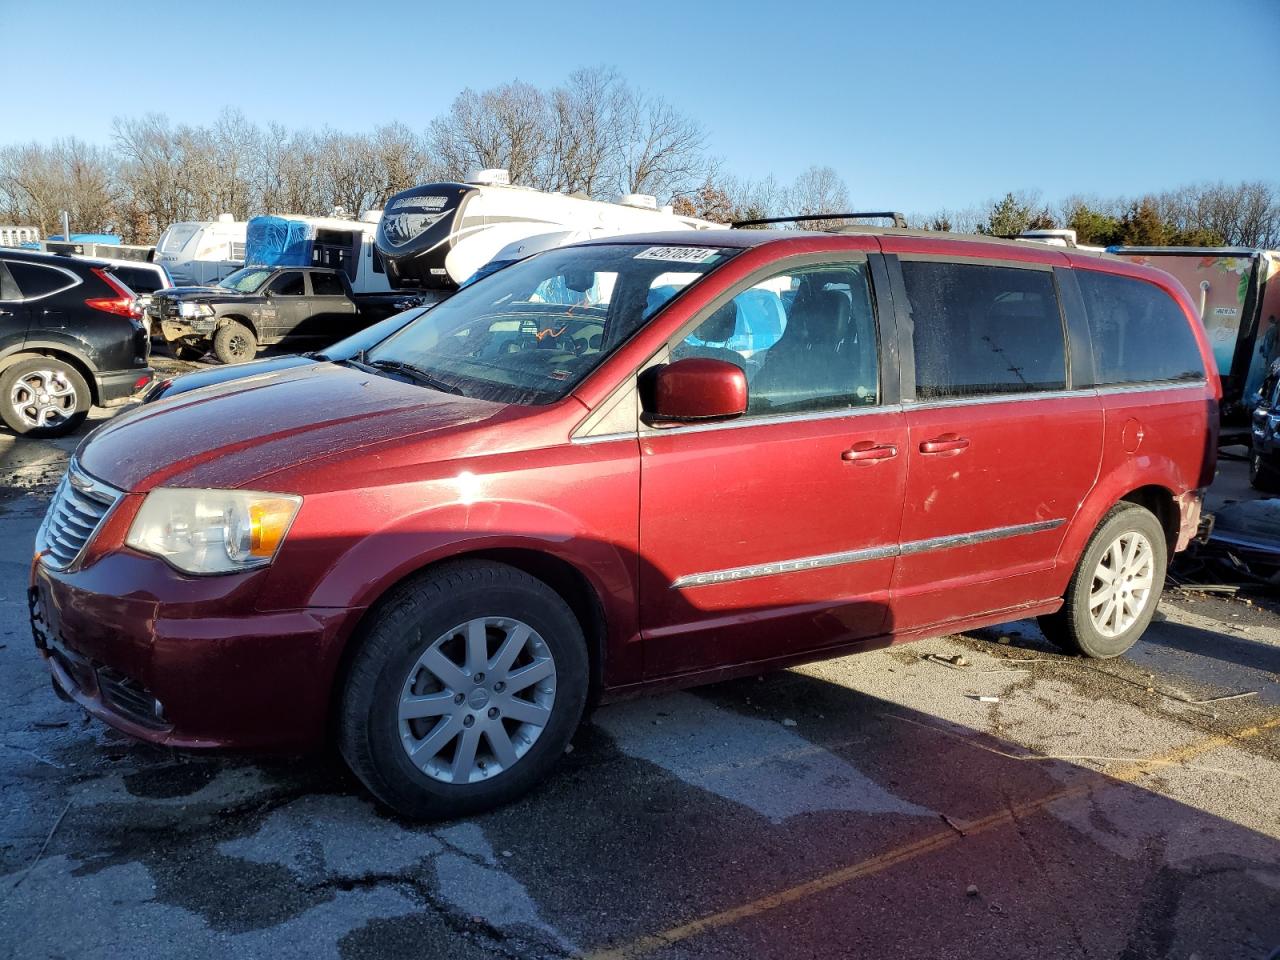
(183, 328)
(184, 661)
(118, 386)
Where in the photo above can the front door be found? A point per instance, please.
(288, 308)
(775, 534)
(1000, 450)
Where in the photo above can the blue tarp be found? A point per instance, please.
(277, 242)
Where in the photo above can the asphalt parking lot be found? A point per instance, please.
(870, 806)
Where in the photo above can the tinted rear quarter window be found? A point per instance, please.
(980, 329)
(138, 279)
(37, 280)
(326, 285)
(8, 289)
(1140, 334)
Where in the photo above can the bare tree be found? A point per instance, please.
(818, 190)
(38, 182)
(660, 150)
(586, 113)
(502, 127)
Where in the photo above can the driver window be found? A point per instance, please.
(806, 340)
(288, 285)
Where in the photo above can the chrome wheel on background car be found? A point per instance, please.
(466, 685)
(1122, 584)
(477, 700)
(43, 397)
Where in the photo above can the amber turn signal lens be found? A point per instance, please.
(268, 522)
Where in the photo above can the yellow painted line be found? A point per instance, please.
(910, 851)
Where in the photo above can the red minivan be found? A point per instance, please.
(628, 464)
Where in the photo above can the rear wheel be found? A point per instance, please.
(43, 397)
(1116, 587)
(465, 690)
(234, 343)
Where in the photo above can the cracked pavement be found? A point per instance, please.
(866, 806)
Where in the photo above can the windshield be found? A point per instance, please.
(246, 279)
(532, 331)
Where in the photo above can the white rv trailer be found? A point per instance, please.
(435, 236)
(201, 252)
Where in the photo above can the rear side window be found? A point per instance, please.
(138, 279)
(36, 280)
(981, 330)
(326, 285)
(1139, 332)
(288, 285)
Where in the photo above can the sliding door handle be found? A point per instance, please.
(946, 443)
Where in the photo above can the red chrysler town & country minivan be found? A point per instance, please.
(564, 482)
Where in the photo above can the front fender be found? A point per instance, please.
(324, 565)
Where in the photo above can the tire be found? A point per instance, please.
(437, 612)
(186, 350)
(1261, 476)
(1075, 628)
(43, 397)
(234, 343)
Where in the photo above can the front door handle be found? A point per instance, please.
(868, 450)
(944, 444)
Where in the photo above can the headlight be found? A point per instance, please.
(212, 531)
(195, 310)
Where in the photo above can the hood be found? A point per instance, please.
(195, 293)
(212, 376)
(232, 434)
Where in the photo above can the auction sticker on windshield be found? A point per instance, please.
(680, 254)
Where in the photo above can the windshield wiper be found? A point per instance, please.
(417, 373)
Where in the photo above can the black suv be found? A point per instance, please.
(70, 337)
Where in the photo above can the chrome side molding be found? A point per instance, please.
(909, 548)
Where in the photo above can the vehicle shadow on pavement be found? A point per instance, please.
(785, 816)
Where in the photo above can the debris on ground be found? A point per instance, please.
(1242, 552)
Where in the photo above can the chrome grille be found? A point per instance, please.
(79, 506)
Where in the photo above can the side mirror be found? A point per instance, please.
(694, 390)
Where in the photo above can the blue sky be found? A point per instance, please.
(918, 105)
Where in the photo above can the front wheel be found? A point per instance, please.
(43, 397)
(1116, 587)
(234, 343)
(467, 685)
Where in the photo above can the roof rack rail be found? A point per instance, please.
(898, 219)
